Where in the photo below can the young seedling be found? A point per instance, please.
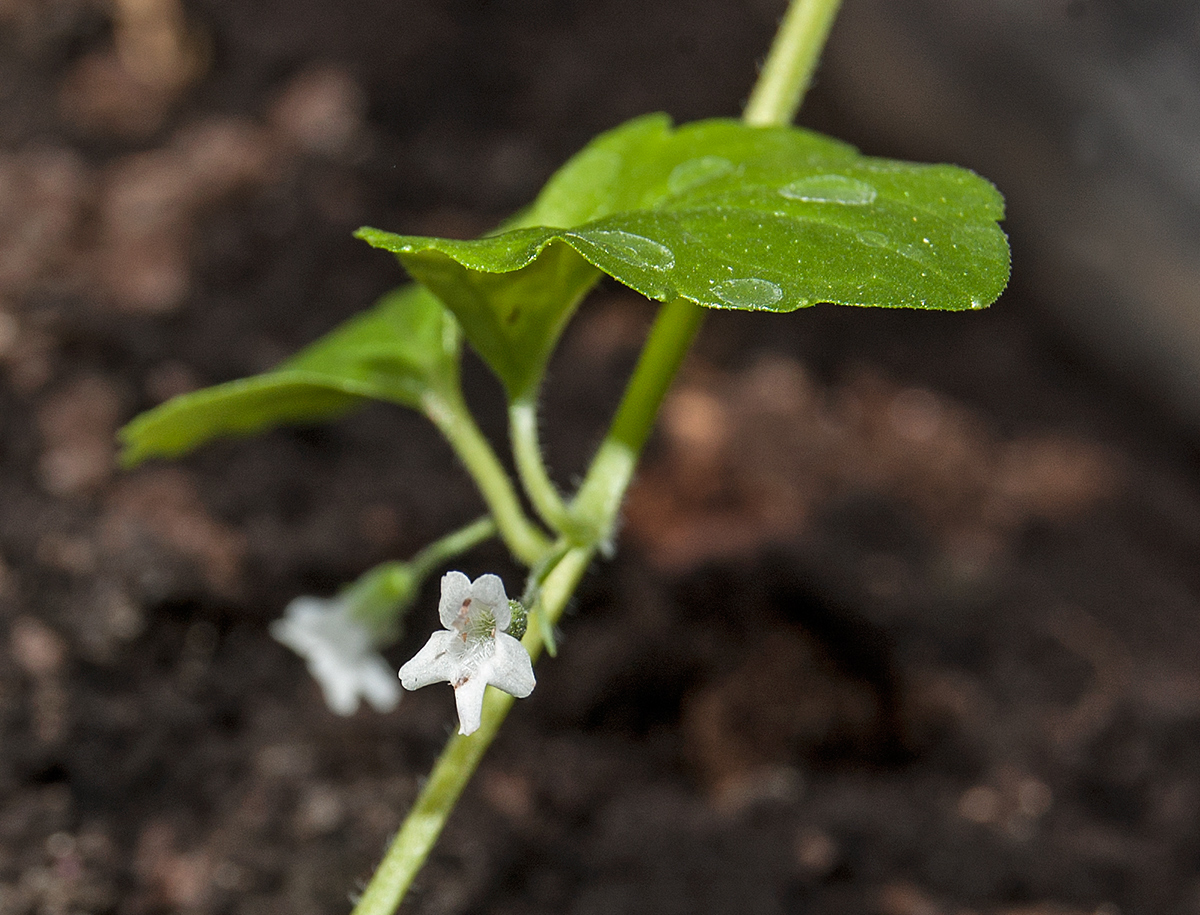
(751, 215)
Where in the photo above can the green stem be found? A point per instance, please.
(453, 544)
(381, 596)
(789, 67)
(459, 760)
(450, 414)
(531, 598)
(527, 452)
(600, 496)
(781, 86)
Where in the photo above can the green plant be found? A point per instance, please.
(717, 214)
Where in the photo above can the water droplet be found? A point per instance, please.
(976, 304)
(694, 172)
(634, 249)
(752, 293)
(830, 189)
(874, 239)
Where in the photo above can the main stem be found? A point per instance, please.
(789, 67)
(603, 490)
(774, 102)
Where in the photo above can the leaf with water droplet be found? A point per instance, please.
(751, 293)
(838, 189)
(636, 250)
(726, 215)
(402, 349)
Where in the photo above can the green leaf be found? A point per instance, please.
(727, 215)
(512, 319)
(403, 348)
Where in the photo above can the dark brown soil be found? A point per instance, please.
(903, 616)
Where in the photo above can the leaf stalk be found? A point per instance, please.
(531, 467)
(449, 413)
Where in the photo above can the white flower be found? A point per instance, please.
(474, 650)
(340, 653)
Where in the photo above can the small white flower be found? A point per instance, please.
(474, 650)
(340, 653)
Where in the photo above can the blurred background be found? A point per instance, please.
(1087, 114)
(903, 618)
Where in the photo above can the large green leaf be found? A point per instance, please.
(404, 347)
(726, 215)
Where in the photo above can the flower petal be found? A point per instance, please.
(300, 626)
(378, 684)
(340, 690)
(468, 697)
(511, 668)
(338, 652)
(432, 664)
(489, 590)
(456, 588)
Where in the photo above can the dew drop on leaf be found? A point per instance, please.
(873, 239)
(694, 172)
(634, 249)
(830, 189)
(751, 293)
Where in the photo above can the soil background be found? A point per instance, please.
(902, 619)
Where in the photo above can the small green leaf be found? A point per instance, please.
(402, 348)
(723, 214)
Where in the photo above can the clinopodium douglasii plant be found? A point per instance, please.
(752, 214)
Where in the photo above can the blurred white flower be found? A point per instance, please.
(340, 653)
(474, 650)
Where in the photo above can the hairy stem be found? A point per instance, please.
(600, 496)
(527, 452)
(450, 414)
(789, 67)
